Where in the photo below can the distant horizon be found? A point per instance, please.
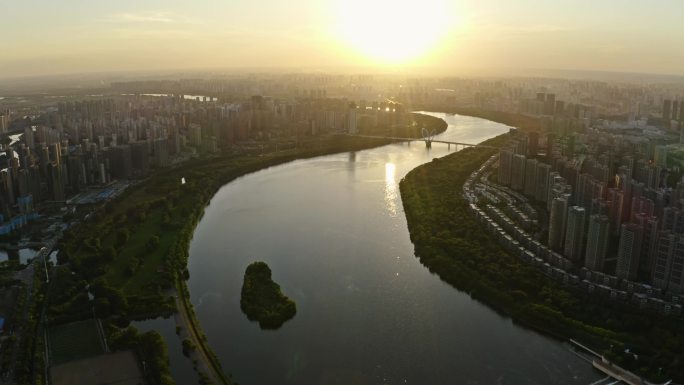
(449, 37)
(427, 72)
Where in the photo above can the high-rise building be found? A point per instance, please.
(673, 220)
(575, 233)
(667, 112)
(75, 165)
(597, 242)
(616, 211)
(557, 220)
(532, 144)
(352, 119)
(663, 258)
(55, 182)
(542, 182)
(505, 165)
(649, 242)
(140, 158)
(519, 145)
(120, 162)
(28, 137)
(675, 110)
(530, 177)
(4, 122)
(660, 156)
(256, 118)
(641, 205)
(550, 104)
(600, 207)
(560, 108)
(22, 185)
(584, 192)
(629, 251)
(668, 268)
(195, 134)
(7, 187)
(550, 146)
(558, 187)
(518, 172)
(160, 152)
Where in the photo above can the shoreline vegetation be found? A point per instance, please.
(132, 252)
(450, 242)
(523, 122)
(262, 300)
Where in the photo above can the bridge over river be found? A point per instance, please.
(601, 363)
(428, 141)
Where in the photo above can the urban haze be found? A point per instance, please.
(342, 192)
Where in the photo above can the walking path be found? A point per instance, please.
(202, 352)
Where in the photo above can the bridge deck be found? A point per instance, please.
(398, 139)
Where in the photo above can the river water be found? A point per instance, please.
(333, 231)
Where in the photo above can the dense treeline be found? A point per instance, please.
(132, 248)
(131, 253)
(30, 359)
(512, 119)
(151, 349)
(450, 242)
(262, 300)
(413, 129)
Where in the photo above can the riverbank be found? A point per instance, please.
(520, 121)
(204, 360)
(450, 242)
(158, 218)
(135, 248)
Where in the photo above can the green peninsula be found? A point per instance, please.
(262, 300)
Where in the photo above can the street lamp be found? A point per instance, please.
(47, 276)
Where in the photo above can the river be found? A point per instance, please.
(333, 231)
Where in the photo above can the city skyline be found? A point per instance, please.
(341, 191)
(445, 37)
(573, 204)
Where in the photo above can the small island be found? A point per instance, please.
(262, 300)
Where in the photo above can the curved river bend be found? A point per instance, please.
(333, 231)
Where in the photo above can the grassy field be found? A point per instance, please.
(74, 340)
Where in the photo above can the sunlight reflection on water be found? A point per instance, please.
(390, 189)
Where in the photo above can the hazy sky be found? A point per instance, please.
(67, 36)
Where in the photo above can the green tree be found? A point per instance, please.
(122, 237)
(110, 254)
(153, 243)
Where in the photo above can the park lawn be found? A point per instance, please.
(147, 277)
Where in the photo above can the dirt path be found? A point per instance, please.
(201, 352)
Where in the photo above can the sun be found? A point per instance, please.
(391, 32)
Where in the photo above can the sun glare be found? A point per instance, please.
(391, 32)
